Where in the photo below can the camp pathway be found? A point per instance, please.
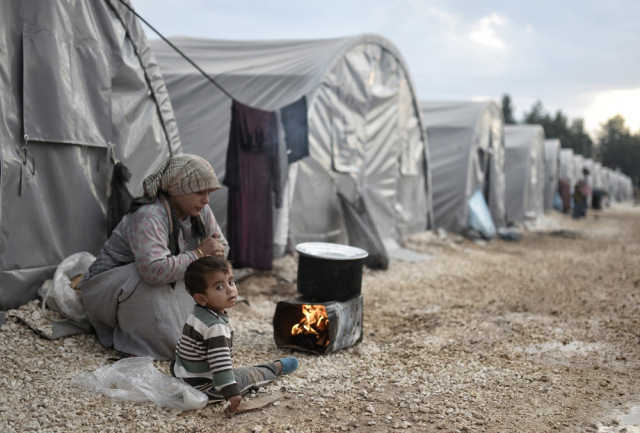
(536, 335)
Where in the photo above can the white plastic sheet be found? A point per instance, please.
(137, 380)
(59, 295)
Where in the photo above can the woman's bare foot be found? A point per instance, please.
(279, 365)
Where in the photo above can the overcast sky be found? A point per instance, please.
(580, 56)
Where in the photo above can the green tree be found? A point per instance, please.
(579, 140)
(618, 148)
(536, 115)
(573, 137)
(507, 110)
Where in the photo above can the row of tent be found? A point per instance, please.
(618, 185)
(81, 88)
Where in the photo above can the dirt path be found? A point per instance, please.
(538, 335)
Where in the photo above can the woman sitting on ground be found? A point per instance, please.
(134, 292)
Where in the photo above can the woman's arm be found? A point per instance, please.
(213, 228)
(149, 240)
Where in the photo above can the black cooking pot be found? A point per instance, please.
(329, 272)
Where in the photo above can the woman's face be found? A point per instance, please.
(190, 204)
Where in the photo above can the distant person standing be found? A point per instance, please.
(580, 200)
(564, 189)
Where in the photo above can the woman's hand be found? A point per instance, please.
(212, 246)
(234, 402)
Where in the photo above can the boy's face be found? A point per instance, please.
(221, 291)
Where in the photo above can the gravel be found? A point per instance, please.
(536, 335)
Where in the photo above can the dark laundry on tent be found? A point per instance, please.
(296, 129)
(252, 175)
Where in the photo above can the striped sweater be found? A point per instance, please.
(204, 353)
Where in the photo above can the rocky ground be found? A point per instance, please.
(537, 335)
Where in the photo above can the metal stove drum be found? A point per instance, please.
(328, 314)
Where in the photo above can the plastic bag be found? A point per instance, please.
(480, 217)
(137, 380)
(59, 294)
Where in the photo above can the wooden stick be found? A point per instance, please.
(257, 403)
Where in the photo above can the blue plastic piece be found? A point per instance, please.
(289, 365)
(480, 217)
(557, 202)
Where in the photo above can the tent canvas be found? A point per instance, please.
(78, 83)
(524, 171)
(597, 175)
(588, 164)
(365, 130)
(578, 165)
(466, 147)
(606, 179)
(567, 171)
(552, 171)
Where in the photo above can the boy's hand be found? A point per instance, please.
(234, 402)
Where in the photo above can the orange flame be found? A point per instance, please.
(315, 322)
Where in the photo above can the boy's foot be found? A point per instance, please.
(287, 365)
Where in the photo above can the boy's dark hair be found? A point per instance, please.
(194, 276)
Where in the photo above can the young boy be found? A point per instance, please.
(204, 353)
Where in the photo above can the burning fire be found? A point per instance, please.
(315, 324)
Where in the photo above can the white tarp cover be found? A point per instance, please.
(566, 166)
(621, 185)
(588, 164)
(597, 175)
(365, 136)
(552, 171)
(524, 169)
(628, 188)
(75, 76)
(578, 165)
(614, 181)
(606, 179)
(466, 149)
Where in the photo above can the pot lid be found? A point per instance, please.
(325, 250)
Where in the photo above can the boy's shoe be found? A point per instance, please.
(289, 365)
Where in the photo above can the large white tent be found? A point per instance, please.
(597, 175)
(524, 169)
(614, 182)
(567, 171)
(588, 164)
(466, 147)
(628, 188)
(78, 86)
(606, 179)
(578, 166)
(552, 171)
(364, 127)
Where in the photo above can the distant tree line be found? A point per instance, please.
(616, 145)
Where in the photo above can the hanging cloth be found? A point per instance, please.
(296, 129)
(252, 176)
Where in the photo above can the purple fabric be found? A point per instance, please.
(252, 175)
